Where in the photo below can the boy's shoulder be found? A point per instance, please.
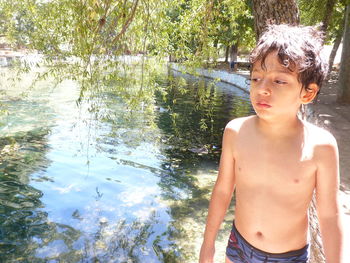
(319, 136)
(237, 123)
(235, 127)
(324, 150)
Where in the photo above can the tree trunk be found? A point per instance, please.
(233, 52)
(233, 57)
(344, 72)
(275, 12)
(337, 41)
(327, 15)
(334, 53)
(226, 53)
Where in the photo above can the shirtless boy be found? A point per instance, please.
(274, 161)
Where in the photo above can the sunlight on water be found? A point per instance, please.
(98, 182)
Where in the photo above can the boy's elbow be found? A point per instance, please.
(223, 191)
(330, 219)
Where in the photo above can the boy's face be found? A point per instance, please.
(275, 90)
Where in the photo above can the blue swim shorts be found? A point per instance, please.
(240, 251)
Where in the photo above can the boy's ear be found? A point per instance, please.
(309, 93)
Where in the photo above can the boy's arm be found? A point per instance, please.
(329, 214)
(221, 196)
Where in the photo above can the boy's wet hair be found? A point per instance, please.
(299, 48)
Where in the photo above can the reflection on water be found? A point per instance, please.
(103, 182)
(25, 227)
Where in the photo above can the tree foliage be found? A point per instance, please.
(188, 30)
(318, 11)
(313, 12)
(198, 29)
(87, 40)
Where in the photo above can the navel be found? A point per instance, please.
(259, 235)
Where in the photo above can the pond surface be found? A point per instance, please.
(106, 183)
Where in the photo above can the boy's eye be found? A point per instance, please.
(252, 80)
(280, 82)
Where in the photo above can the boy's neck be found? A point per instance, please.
(279, 128)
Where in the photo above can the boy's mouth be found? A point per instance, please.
(262, 104)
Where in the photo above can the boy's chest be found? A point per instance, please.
(275, 165)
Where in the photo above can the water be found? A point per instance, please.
(100, 182)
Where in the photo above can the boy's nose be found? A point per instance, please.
(264, 87)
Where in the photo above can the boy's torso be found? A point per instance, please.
(275, 179)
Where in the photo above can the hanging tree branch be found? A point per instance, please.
(102, 20)
(204, 33)
(127, 22)
(113, 24)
